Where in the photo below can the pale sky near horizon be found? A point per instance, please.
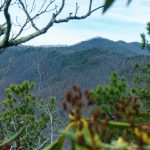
(119, 23)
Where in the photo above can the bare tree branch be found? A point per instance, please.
(2, 5)
(77, 17)
(28, 16)
(32, 15)
(8, 23)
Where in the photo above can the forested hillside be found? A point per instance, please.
(55, 68)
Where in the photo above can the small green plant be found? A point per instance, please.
(21, 109)
(142, 82)
(141, 86)
(107, 95)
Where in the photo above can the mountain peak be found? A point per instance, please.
(120, 46)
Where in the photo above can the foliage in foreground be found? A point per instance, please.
(117, 120)
(109, 94)
(124, 126)
(27, 116)
(94, 133)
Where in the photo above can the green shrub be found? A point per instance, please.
(21, 109)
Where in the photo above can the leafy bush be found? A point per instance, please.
(107, 95)
(97, 133)
(22, 111)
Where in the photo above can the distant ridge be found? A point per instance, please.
(132, 48)
(88, 63)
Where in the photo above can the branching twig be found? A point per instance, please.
(45, 7)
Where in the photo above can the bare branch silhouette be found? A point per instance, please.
(13, 30)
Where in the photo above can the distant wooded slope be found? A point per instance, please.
(55, 68)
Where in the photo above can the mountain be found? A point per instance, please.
(56, 68)
(105, 44)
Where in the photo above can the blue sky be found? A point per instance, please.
(119, 23)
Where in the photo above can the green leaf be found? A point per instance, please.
(107, 5)
(58, 145)
(114, 146)
(117, 124)
(147, 147)
(73, 139)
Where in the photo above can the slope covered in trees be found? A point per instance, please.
(88, 63)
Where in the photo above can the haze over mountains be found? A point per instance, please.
(55, 68)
